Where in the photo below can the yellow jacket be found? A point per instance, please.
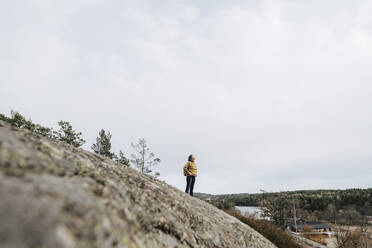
(189, 169)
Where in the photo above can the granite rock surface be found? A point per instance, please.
(55, 195)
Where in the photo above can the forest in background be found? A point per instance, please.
(350, 206)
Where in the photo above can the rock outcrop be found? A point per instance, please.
(53, 195)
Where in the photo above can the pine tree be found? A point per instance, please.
(143, 158)
(4, 118)
(103, 144)
(68, 135)
(122, 159)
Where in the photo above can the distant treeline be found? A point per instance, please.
(311, 199)
(349, 206)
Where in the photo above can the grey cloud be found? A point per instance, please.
(267, 94)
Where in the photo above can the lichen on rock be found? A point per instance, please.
(55, 195)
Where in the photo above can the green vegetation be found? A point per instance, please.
(122, 159)
(68, 135)
(102, 146)
(19, 121)
(349, 206)
(279, 209)
(65, 133)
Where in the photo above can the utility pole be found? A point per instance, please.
(294, 215)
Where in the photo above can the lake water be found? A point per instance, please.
(256, 212)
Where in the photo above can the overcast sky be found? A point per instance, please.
(272, 95)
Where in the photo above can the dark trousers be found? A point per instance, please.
(190, 181)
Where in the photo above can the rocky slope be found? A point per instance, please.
(55, 195)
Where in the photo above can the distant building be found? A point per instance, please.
(369, 219)
(315, 225)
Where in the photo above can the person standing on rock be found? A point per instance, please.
(190, 171)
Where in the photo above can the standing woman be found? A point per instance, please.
(189, 170)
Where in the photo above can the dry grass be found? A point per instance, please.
(273, 233)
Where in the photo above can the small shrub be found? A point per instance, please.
(68, 135)
(347, 238)
(122, 159)
(19, 121)
(65, 133)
